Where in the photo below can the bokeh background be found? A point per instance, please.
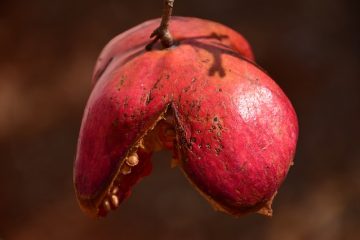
(47, 52)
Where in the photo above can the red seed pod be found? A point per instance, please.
(231, 129)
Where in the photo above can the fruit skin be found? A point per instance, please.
(236, 129)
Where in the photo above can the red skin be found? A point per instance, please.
(236, 129)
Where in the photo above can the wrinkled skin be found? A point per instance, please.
(231, 129)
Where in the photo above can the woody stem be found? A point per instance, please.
(162, 33)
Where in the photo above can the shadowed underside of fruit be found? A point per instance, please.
(231, 129)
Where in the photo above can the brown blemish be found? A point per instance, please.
(186, 89)
(183, 141)
(254, 81)
(121, 82)
(207, 117)
(149, 98)
(217, 150)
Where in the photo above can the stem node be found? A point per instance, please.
(162, 33)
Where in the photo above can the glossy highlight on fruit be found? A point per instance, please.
(231, 129)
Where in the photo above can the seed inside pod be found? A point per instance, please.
(132, 160)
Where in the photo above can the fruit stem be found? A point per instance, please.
(162, 32)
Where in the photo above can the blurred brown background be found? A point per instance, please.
(47, 52)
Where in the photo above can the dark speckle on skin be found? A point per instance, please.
(215, 119)
(121, 82)
(217, 150)
(149, 98)
(192, 139)
(254, 81)
(183, 140)
(207, 117)
(186, 89)
(126, 102)
(208, 146)
(115, 123)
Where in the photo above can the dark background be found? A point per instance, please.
(47, 52)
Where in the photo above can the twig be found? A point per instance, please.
(162, 33)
